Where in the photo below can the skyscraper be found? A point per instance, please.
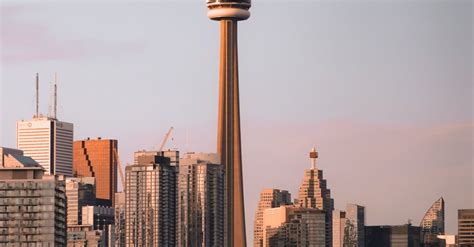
(269, 198)
(32, 205)
(48, 141)
(432, 224)
(355, 229)
(150, 202)
(120, 219)
(200, 200)
(228, 12)
(466, 227)
(313, 193)
(98, 159)
(339, 222)
(293, 226)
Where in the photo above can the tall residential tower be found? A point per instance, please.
(228, 13)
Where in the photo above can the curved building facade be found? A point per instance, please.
(432, 224)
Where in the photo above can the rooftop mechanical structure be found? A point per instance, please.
(228, 13)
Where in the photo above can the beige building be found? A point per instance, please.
(314, 193)
(466, 227)
(120, 219)
(269, 198)
(339, 221)
(150, 202)
(201, 200)
(293, 226)
(80, 192)
(32, 205)
(83, 236)
(49, 142)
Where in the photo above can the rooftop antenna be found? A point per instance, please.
(55, 105)
(313, 155)
(37, 95)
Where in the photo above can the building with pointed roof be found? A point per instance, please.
(432, 224)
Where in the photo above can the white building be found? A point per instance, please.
(49, 142)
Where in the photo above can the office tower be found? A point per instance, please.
(396, 236)
(293, 226)
(466, 227)
(432, 224)
(101, 218)
(200, 200)
(32, 206)
(98, 158)
(269, 198)
(228, 12)
(339, 222)
(79, 192)
(151, 202)
(48, 141)
(172, 154)
(120, 219)
(313, 193)
(355, 227)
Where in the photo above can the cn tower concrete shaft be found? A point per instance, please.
(228, 137)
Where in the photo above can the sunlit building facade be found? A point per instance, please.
(466, 227)
(49, 142)
(151, 202)
(200, 200)
(269, 198)
(314, 193)
(98, 158)
(432, 224)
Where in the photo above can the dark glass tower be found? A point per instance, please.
(228, 13)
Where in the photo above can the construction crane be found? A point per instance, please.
(167, 136)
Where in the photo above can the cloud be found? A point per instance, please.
(24, 41)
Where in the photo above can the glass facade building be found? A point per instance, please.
(432, 224)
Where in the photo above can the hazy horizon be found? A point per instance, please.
(382, 89)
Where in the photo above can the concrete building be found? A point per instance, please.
(98, 158)
(32, 205)
(48, 141)
(8, 155)
(432, 224)
(394, 236)
(101, 218)
(120, 219)
(83, 236)
(151, 202)
(466, 227)
(172, 154)
(200, 200)
(269, 198)
(293, 226)
(448, 240)
(314, 193)
(228, 13)
(79, 192)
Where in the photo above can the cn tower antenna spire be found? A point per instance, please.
(228, 13)
(313, 155)
(37, 95)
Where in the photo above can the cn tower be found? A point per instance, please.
(228, 13)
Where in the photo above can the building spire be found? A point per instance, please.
(37, 95)
(313, 155)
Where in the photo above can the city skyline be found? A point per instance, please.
(436, 118)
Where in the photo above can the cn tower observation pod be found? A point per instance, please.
(228, 9)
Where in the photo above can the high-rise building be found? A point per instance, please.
(79, 192)
(98, 158)
(396, 236)
(101, 218)
(339, 222)
(172, 154)
(432, 224)
(228, 13)
(120, 219)
(269, 198)
(151, 202)
(200, 200)
(48, 141)
(32, 205)
(314, 193)
(355, 227)
(466, 227)
(294, 226)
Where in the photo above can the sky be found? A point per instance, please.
(383, 90)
